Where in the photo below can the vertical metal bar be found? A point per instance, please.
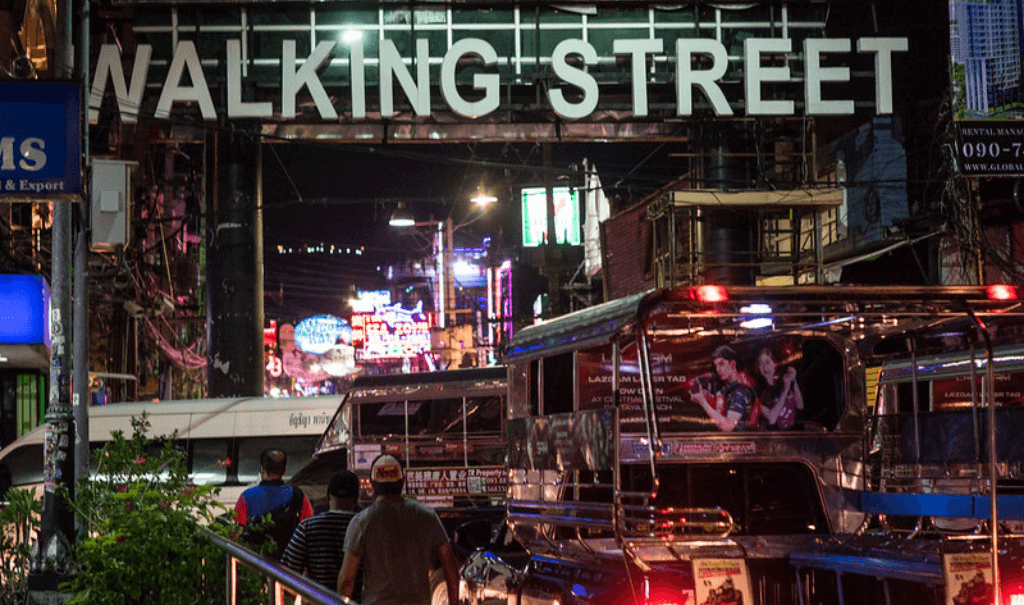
(230, 589)
(974, 413)
(819, 250)
(650, 414)
(917, 407)
(81, 398)
(993, 465)
(990, 383)
(465, 435)
(616, 354)
(673, 253)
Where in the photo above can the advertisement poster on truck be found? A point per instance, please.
(720, 384)
(968, 578)
(722, 582)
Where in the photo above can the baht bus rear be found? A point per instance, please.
(767, 446)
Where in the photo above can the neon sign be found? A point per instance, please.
(318, 334)
(391, 331)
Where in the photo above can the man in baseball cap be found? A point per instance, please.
(386, 475)
(395, 539)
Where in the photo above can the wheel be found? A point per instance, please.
(438, 588)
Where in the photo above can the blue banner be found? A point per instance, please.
(40, 139)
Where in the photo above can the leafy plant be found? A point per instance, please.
(19, 522)
(142, 520)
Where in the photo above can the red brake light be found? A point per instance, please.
(709, 294)
(1001, 292)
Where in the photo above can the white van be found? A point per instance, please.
(223, 438)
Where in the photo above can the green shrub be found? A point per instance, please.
(19, 522)
(142, 519)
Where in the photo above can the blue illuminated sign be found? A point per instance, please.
(24, 310)
(319, 334)
(41, 140)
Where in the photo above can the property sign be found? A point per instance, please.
(483, 480)
(40, 139)
(990, 147)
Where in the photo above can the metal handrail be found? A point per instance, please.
(569, 514)
(677, 523)
(281, 579)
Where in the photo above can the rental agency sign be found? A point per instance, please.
(573, 92)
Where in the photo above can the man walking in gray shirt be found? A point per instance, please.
(397, 540)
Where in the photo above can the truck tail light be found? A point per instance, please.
(664, 598)
(1001, 292)
(709, 294)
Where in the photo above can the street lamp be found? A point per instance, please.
(403, 217)
(483, 198)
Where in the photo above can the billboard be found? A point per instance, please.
(535, 216)
(987, 66)
(41, 146)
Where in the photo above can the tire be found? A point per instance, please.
(438, 588)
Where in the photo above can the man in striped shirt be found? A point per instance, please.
(317, 547)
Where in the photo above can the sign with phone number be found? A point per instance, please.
(990, 148)
(481, 480)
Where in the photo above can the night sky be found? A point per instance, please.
(344, 194)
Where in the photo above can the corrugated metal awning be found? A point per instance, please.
(592, 325)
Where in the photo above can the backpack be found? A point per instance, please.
(282, 523)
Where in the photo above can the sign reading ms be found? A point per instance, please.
(40, 139)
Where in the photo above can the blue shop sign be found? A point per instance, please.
(40, 139)
(320, 333)
(24, 310)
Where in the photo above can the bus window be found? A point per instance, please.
(519, 381)
(483, 414)
(534, 387)
(435, 416)
(210, 461)
(298, 449)
(384, 419)
(558, 395)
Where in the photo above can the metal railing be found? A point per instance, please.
(284, 587)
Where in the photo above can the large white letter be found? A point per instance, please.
(357, 75)
(129, 100)
(816, 74)
(185, 56)
(32, 155)
(575, 76)
(487, 82)
(293, 81)
(391, 64)
(756, 74)
(883, 49)
(236, 107)
(638, 51)
(704, 79)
